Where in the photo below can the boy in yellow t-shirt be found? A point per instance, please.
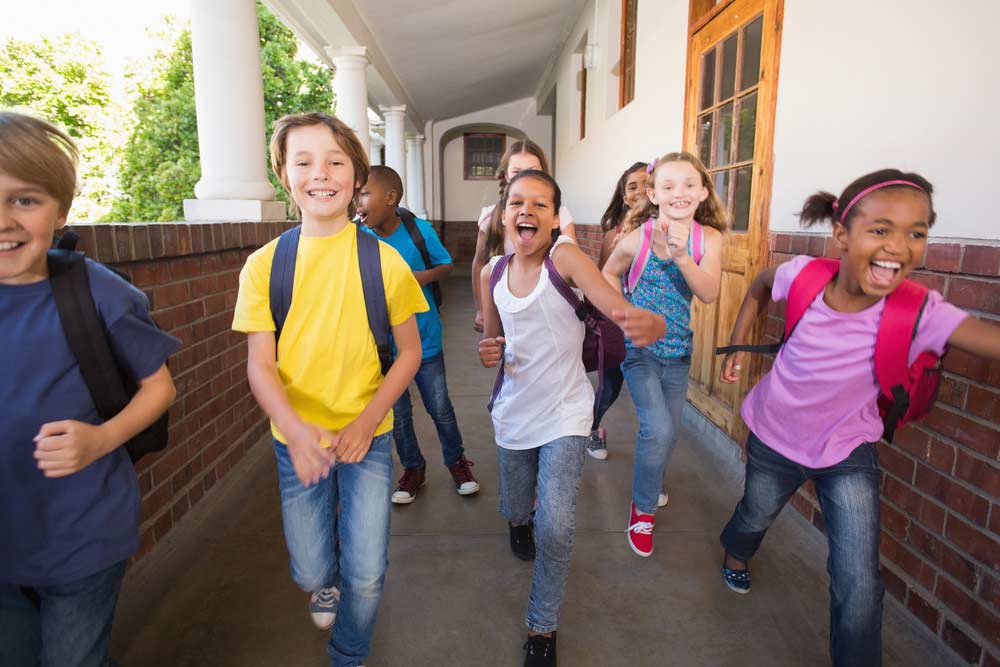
(330, 406)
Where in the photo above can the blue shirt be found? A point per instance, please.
(429, 322)
(663, 290)
(54, 531)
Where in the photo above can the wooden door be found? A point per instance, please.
(729, 124)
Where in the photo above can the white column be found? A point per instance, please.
(229, 105)
(395, 143)
(377, 142)
(350, 86)
(415, 175)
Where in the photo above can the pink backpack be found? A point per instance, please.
(696, 245)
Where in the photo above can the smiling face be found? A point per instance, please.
(376, 203)
(677, 189)
(635, 189)
(320, 174)
(522, 162)
(886, 239)
(28, 218)
(530, 215)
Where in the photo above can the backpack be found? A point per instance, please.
(410, 223)
(110, 385)
(696, 248)
(369, 259)
(906, 393)
(603, 343)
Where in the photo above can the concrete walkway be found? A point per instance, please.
(217, 591)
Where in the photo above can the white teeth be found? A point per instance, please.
(888, 265)
(8, 245)
(321, 193)
(524, 225)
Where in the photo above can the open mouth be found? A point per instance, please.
(322, 194)
(680, 205)
(10, 245)
(526, 231)
(883, 273)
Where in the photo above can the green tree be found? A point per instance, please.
(160, 164)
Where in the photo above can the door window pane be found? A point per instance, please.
(721, 179)
(708, 80)
(728, 82)
(705, 138)
(750, 72)
(748, 127)
(725, 142)
(741, 200)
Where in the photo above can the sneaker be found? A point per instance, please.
(597, 445)
(323, 607)
(540, 651)
(465, 483)
(406, 491)
(737, 580)
(522, 541)
(663, 499)
(640, 532)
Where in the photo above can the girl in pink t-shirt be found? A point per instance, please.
(814, 415)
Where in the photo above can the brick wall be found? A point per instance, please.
(590, 238)
(190, 272)
(941, 477)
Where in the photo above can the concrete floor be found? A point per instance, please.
(216, 591)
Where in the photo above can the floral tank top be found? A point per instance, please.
(663, 290)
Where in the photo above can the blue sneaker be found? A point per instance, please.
(323, 607)
(737, 580)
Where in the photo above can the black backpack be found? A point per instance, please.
(369, 259)
(110, 385)
(410, 222)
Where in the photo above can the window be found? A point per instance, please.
(482, 155)
(626, 80)
(702, 11)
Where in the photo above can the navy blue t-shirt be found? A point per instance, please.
(54, 531)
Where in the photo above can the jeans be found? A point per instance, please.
(433, 389)
(555, 468)
(658, 386)
(613, 380)
(348, 549)
(66, 625)
(848, 494)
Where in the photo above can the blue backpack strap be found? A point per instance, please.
(370, 261)
(283, 277)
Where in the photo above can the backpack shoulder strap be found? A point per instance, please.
(806, 287)
(283, 277)
(410, 223)
(498, 270)
(696, 242)
(84, 330)
(639, 262)
(565, 291)
(370, 262)
(896, 330)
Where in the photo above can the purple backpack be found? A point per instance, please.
(603, 343)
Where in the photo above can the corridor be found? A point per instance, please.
(216, 592)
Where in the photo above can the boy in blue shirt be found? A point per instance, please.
(378, 200)
(69, 497)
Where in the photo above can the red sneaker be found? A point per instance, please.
(465, 483)
(406, 491)
(640, 532)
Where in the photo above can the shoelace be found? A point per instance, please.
(461, 470)
(644, 527)
(409, 480)
(325, 597)
(737, 575)
(538, 646)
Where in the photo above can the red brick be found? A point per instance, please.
(923, 610)
(980, 473)
(782, 242)
(898, 464)
(981, 260)
(156, 246)
(971, 611)
(944, 257)
(907, 561)
(161, 525)
(995, 518)
(104, 244)
(964, 571)
(974, 294)
(893, 583)
(149, 274)
(989, 589)
(941, 455)
(170, 295)
(894, 521)
(981, 546)
(934, 281)
(817, 246)
(913, 440)
(913, 503)
(954, 495)
(953, 391)
(991, 660)
(799, 244)
(140, 242)
(973, 367)
(960, 642)
(123, 243)
(983, 402)
(981, 437)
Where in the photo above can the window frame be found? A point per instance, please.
(627, 53)
(465, 153)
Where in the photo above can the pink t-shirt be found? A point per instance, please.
(565, 220)
(818, 402)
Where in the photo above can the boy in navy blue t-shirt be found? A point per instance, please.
(378, 200)
(69, 497)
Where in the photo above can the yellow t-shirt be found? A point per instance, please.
(326, 354)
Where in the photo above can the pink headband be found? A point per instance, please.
(869, 190)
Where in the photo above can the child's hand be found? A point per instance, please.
(311, 451)
(677, 238)
(731, 367)
(353, 442)
(491, 351)
(65, 447)
(640, 326)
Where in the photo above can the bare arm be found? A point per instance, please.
(754, 303)
(977, 337)
(621, 259)
(491, 346)
(433, 275)
(68, 446)
(477, 267)
(704, 279)
(606, 247)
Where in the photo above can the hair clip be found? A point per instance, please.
(652, 165)
(836, 205)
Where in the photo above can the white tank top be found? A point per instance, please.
(546, 394)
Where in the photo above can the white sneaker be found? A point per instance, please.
(323, 607)
(663, 499)
(597, 444)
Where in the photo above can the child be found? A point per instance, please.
(628, 196)
(491, 239)
(377, 209)
(543, 412)
(69, 497)
(327, 399)
(680, 202)
(814, 415)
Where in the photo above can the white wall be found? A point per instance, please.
(464, 199)
(893, 83)
(651, 125)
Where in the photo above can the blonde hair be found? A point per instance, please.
(344, 135)
(37, 152)
(710, 213)
(494, 229)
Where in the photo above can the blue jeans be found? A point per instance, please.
(613, 380)
(848, 494)
(348, 549)
(658, 387)
(555, 469)
(433, 389)
(67, 625)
